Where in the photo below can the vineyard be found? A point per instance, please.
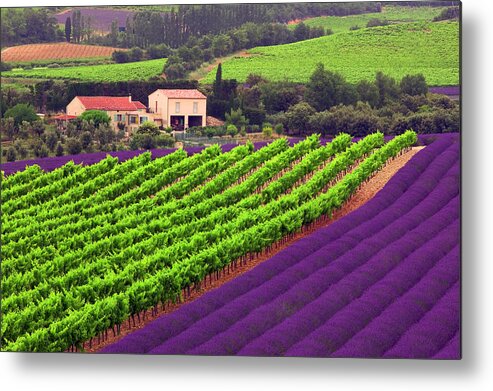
(397, 50)
(54, 51)
(142, 70)
(392, 14)
(86, 248)
(381, 282)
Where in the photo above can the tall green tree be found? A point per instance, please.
(68, 29)
(414, 85)
(387, 88)
(114, 33)
(217, 86)
(326, 89)
(76, 26)
(97, 117)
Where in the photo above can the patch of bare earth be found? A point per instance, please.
(203, 71)
(367, 191)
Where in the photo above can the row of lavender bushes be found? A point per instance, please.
(381, 282)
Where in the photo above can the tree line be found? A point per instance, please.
(177, 27)
(328, 104)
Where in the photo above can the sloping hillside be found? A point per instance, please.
(397, 50)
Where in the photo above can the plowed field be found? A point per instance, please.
(54, 51)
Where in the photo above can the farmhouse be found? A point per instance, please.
(179, 109)
(124, 112)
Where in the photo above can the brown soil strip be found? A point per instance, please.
(204, 71)
(360, 197)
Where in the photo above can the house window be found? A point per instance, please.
(119, 117)
(195, 107)
(133, 119)
(177, 107)
(156, 107)
(143, 119)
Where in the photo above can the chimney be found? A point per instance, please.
(130, 97)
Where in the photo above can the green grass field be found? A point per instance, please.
(397, 50)
(142, 70)
(393, 14)
(65, 62)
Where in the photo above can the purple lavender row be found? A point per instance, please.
(434, 329)
(51, 163)
(166, 327)
(363, 308)
(238, 308)
(300, 272)
(452, 350)
(279, 324)
(377, 319)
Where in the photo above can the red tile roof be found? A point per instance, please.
(120, 103)
(183, 94)
(65, 117)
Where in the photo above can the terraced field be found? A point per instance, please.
(382, 282)
(85, 248)
(142, 70)
(397, 50)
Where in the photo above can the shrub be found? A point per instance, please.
(232, 130)
(279, 129)
(267, 131)
(86, 140)
(135, 54)
(11, 155)
(298, 115)
(59, 150)
(414, 85)
(120, 56)
(51, 141)
(374, 22)
(165, 141)
(353, 28)
(148, 127)
(74, 146)
(142, 141)
(4, 67)
(22, 112)
(20, 149)
(158, 51)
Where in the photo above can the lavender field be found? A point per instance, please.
(382, 282)
(50, 163)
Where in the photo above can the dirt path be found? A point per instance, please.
(367, 191)
(204, 70)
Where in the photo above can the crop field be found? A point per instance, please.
(393, 14)
(86, 248)
(101, 18)
(142, 70)
(397, 50)
(381, 282)
(54, 51)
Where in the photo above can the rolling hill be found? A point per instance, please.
(397, 50)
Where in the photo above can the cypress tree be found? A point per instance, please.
(218, 82)
(68, 29)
